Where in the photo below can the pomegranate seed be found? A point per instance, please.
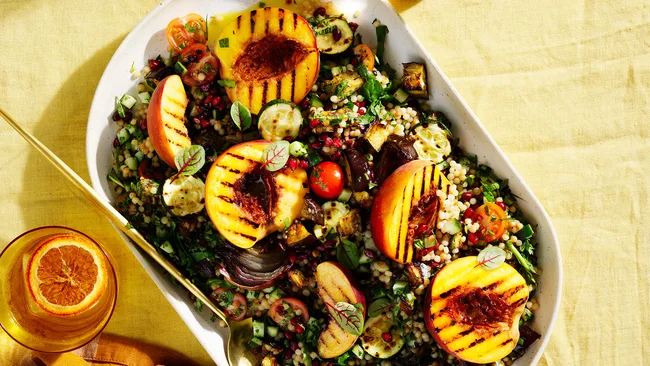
(287, 354)
(127, 116)
(353, 26)
(330, 243)
(338, 143)
(300, 329)
(354, 61)
(387, 337)
(421, 228)
(360, 104)
(116, 116)
(304, 103)
(369, 253)
(154, 64)
(292, 163)
(304, 164)
(204, 123)
(361, 112)
(502, 205)
(466, 196)
(196, 120)
(472, 238)
(315, 363)
(116, 143)
(143, 125)
(317, 145)
(336, 34)
(216, 100)
(328, 141)
(320, 11)
(289, 335)
(207, 100)
(294, 346)
(292, 258)
(468, 213)
(336, 156)
(314, 122)
(199, 109)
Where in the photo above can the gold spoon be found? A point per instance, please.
(237, 352)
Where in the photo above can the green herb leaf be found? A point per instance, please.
(132, 67)
(198, 305)
(226, 83)
(241, 116)
(379, 307)
(520, 258)
(491, 258)
(276, 155)
(348, 254)
(224, 42)
(419, 243)
(348, 316)
(226, 298)
(381, 32)
(189, 160)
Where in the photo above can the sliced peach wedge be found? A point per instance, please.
(245, 201)
(406, 200)
(166, 119)
(270, 53)
(335, 284)
(472, 312)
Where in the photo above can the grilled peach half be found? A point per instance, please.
(473, 313)
(335, 284)
(270, 53)
(404, 201)
(245, 201)
(166, 119)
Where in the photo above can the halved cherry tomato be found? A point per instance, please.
(235, 307)
(493, 221)
(202, 65)
(283, 312)
(326, 180)
(183, 32)
(365, 55)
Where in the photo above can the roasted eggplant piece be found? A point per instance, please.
(312, 211)
(414, 274)
(344, 84)
(396, 152)
(298, 235)
(357, 170)
(297, 278)
(414, 80)
(363, 198)
(376, 135)
(350, 223)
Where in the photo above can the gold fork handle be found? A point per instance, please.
(113, 215)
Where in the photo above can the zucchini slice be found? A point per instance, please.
(279, 119)
(375, 343)
(432, 143)
(333, 35)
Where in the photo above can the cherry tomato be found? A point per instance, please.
(235, 307)
(493, 221)
(365, 56)
(283, 312)
(326, 180)
(202, 65)
(183, 32)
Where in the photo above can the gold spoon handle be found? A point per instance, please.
(113, 215)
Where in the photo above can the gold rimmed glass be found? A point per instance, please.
(22, 318)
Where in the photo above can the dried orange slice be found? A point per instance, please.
(67, 274)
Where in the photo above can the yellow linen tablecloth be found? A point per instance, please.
(562, 86)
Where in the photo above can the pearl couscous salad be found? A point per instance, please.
(288, 171)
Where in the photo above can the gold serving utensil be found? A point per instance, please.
(237, 351)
